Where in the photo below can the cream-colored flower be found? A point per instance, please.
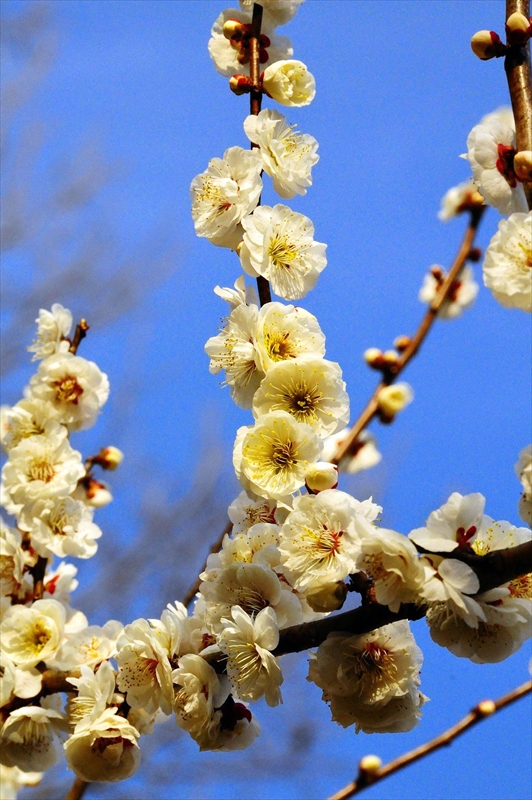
(364, 455)
(453, 525)
(13, 779)
(225, 193)
(90, 646)
(62, 527)
(30, 634)
(310, 389)
(231, 54)
(507, 265)
(29, 738)
(452, 583)
(287, 154)
(198, 691)
(95, 691)
(289, 83)
(281, 11)
(252, 669)
(462, 294)
(52, 328)
(247, 510)
(11, 560)
(104, 749)
(391, 560)
(75, 387)
(285, 332)
(523, 470)
(275, 453)
(144, 670)
(257, 545)
(27, 418)
(395, 398)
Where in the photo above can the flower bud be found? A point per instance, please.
(110, 457)
(373, 357)
(523, 165)
(401, 342)
(328, 598)
(518, 29)
(486, 707)
(370, 764)
(437, 272)
(92, 492)
(487, 44)
(233, 29)
(390, 358)
(394, 398)
(240, 84)
(474, 255)
(321, 476)
(289, 82)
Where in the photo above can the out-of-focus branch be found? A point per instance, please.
(493, 569)
(417, 340)
(368, 775)
(518, 74)
(190, 595)
(77, 790)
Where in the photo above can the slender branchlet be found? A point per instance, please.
(519, 76)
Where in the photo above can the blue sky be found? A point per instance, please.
(398, 90)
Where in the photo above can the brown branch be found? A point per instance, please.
(485, 708)
(417, 340)
(499, 566)
(79, 335)
(77, 790)
(190, 595)
(37, 572)
(517, 68)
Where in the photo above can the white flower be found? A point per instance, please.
(95, 691)
(232, 55)
(252, 587)
(12, 779)
(281, 11)
(274, 454)
(42, 467)
(395, 398)
(451, 582)
(27, 418)
(289, 83)
(246, 511)
(224, 194)
(90, 646)
(462, 294)
(60, 581)
(198, 692)
(310, 389)
(279, 245)
(257, 545)
(502, 114)
(75, 387)
(287, 155)
(62, 527)
(364, 455)
(32, 634)
(392, 562)
(507, 264)
(29, 737)
(252, 669)
(452, 525)
(233, 350)
(232, 727)
(53, 327)
(286, 332)
(491, 148)
(105, 750)
(144, 671)
(523, 470)
(458, 199)
(92, 492)
(240, 294)
(320, 540)
(321, 476)
(11, 560)
(371, 681)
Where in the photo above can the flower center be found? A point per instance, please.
(35, 637)
(67, 390)
(279, 346)
(282, 455)
(282, 252)
(522, 587)
(210, 193)
(527, 251)
(41, 470)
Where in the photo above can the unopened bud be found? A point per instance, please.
(321, 476)
(328, 598)
(394, 398)
(487, 44)
(518, 29)
(110, 457)
(523, 165)
(233, 29)
(474, 255)
(390, 358)
(92, 492)
(401, 342)
(240, 84)
(437, 272)
(373, 357)
(486, 707)
(370, 764)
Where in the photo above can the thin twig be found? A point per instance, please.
(37, 572)
(372, 407)
(191, 594)
(79, 335)
(482, 710)
(77, 790)
(518, 74)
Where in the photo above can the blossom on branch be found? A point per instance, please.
(282, 11)
(461, 295)
(103, 749)
(61, 526)
(52, 329)
(507, 264)
(285, 332)
(458, 199)
(229, 45)
(29, 737)
(523, 470)
(289, 83)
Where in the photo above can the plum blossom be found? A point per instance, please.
(279, 245)
(507, 267)
(491, 149)
(310, 389)
(257, 545)
(451, 582)
(462, 294)
(225, 193)
(11, 560)
(363, 455)
(289, 83)
(285, 332)
(103, 749)
(240, 294)
(13, 779)
(27, 418)
(395, 398)
(198, 692)
(62, 527)
(281, 11)
(523, 470)
(29, 737)
(459, 198)
(452, 525)
(230, 48)
(90, 646)
(246, 511)
(32, 634)
(251, 668)
(95, 691)
(52, 329)
(271, 457)
(287, 154)
(144, 670)
(392, 563)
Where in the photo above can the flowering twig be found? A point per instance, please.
(79, 335)
(443, 291)
(191, 594)
(499, 566)
(518, 74)
(369, 773)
